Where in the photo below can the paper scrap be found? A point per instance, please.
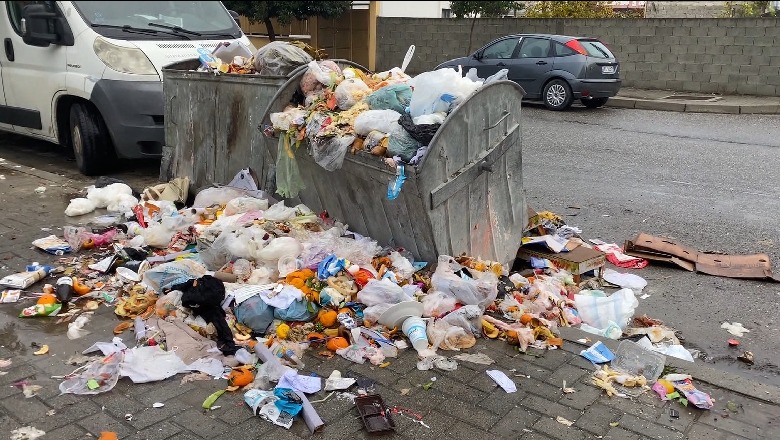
(27, 433)
(598, 353)
(563, 421)
(474, 358)
(158, 405)
(502, 380)
(735, 328)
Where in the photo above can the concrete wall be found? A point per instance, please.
(739, 56)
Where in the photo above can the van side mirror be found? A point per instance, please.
(42, 28)
(236, 16)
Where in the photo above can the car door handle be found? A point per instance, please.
(541, 62)
(501, 64)
(9, 49)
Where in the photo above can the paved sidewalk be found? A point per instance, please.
(462, 404)
(694, 102)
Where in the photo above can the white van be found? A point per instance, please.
(88, 74)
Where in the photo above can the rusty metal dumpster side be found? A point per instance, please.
(467, 196)
(472, 177)
(211, 125)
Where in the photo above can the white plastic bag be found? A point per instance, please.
(241, 205)
(382, 292)
(279, 248)
(289, 117)
(157, 235)
(437, 303)
(279, 213)
(480, 291)
(468, 318)
(216, 196)
(350, 92)
(122, 203)
(102, 197)
(79, 206)
(379, 120)
(599, 311)
(372, 313)
(439, 91)
(625, 280)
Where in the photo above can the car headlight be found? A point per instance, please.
(123, 59)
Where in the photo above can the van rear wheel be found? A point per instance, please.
(90, 140)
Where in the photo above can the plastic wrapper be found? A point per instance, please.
(36, 310)
(329, 152)
(216, 196)
(422, 133)
(79, 206)
(598, 312)
(382, 292)
(100, 376)
(241, 205)
(349, 92)
(439, 91)
(379, 120)
(437, 303)
(446, 336)
(480, 290)
(402, 144)
(318, 246)
(280, 58)
(52, 245)
(291, 116)
(102, 197)
(319, 74)
(169, 304)
(393, 97)
(289, 182)
(167, 275)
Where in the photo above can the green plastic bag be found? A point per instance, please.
(393, 97)
(288, 177)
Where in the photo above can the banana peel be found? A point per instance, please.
(489, 330)
(605, 377)
(43, 350)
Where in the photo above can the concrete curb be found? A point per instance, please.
(721, 379)
(693, 107)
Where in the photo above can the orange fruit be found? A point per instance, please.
(47, 298)
(328, 318)
(526, 318)
(337, 343)
(241, 377)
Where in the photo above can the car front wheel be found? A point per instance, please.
(90, 140)
(557, 95)
(594, 102)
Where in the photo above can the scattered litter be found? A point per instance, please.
(733, 342)
(31, 390)
(598, 353)
(40, 190)
(673, 413)
(108, 435)
(502, 380)
(43, 350)
(209, 402)
(564, 421)
(746, 357)
(645, 296)
(51, 412)
(614, 424)
(158, 405)
(5, 363)
(735, 328)
(478, 358)
(129, 417)
(27, 433)
(336, 382)
(567, 390)
(10, 296)
(192, 377)
(625, 280)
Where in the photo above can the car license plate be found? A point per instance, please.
(607, 70)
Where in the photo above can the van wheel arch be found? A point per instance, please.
(99, 158)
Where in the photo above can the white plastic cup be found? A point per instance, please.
(414, 329)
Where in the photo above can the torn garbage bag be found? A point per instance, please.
(204, 297)
(255, 314)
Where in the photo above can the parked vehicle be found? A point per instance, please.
(88, 74)
(552, 68)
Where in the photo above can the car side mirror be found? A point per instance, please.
(236, 16)
(41, 28)
(477, 55)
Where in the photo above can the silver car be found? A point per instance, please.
(552, 68)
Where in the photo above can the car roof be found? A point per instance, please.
(560, 38)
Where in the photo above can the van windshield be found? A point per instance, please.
(188, 19)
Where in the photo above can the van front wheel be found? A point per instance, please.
(90, 140)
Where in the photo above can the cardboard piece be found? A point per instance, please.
(578, 261)
(650, 247)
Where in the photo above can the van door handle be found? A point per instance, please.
(541, 62)
(501, 64)
(9, 49)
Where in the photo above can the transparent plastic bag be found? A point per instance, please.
(122, 203)
(288, 177)
(382, 292)
(298, 311)
(280, 58)
(241, 205)
(402, 144)
(350, 92)
(468, 318)
(449, 337)
(216, 196)
(481, 290)
(105, 370)
(329, 152)
(380, 120)
(372, 313)
(291, 116)
(437, 303)
(439, 91)
(393, 97)
(255, 314)
(318, 74)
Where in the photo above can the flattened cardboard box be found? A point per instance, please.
(755, 266)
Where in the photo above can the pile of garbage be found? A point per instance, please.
(277, 58)
(388, 114)
(243, 285)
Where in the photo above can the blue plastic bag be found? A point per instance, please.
(298, 311)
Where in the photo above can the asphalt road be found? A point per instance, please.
(708, 181)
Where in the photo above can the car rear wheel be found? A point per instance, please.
(594, 102)
(90, 140)
(557, 95)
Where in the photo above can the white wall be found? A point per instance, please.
(418, 9)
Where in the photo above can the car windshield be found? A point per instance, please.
(596, 49)
(208, 18)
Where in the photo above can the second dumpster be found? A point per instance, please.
(465, 196)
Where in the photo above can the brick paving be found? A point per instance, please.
(461, 404)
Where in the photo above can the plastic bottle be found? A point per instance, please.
(65, 290)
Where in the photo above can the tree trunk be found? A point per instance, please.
(471, 32)
(269, 26)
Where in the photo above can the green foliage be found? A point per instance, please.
(574, 9)
(748, 9)
(285, 12)
(463, 9)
